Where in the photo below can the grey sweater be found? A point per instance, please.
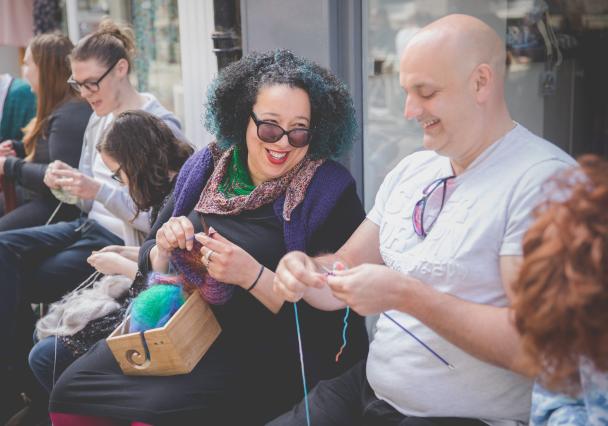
(113, 207)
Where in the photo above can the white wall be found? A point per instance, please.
(199, 65)
(9, 60)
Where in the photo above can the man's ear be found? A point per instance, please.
(483, 77)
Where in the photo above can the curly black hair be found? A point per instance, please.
(233, 93)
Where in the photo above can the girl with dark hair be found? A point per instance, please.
(55, 133)
(561, 299)
(145, 156)
(267, 186)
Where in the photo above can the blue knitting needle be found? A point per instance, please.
(427, 347)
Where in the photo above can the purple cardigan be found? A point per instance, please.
(325, 189)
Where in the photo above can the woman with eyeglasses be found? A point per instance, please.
(42, 263)
(266, 186)
(55, 133)
(145, 155)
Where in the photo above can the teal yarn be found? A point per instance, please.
(302, 368)
(155, 306)
(344, 340)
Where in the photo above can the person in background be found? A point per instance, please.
(42, 263)
(17, 108)
(262, 189)
(145, 156)
(561, 298)
(56, 133)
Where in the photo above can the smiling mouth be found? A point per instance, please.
(428, 123)
(276, 157)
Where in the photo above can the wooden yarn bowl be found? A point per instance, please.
(175, 348)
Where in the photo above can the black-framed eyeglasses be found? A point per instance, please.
(91, 86)
(421, 219)
(271, 133)
(116, 175)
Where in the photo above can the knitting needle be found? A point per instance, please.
(428, 348)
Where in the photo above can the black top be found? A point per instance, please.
(252, 371)
(63, 141)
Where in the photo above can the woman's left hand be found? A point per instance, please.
(227, 262)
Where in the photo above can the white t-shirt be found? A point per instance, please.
(486, 213)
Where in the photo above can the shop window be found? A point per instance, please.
(556, 82)
(157, 67)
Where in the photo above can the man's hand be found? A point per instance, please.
(77, 183)
(2, 161)
(295, 273)
(369, 289)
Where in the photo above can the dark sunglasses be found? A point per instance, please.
(271, 133)
(116, 175)
(421, 226)
(91, 86)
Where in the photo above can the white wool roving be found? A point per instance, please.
(76, 309)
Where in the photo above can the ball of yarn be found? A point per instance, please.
(155, 306)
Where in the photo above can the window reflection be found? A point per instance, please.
(157, 67)
(555, 86)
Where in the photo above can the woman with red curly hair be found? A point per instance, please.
(561, 299)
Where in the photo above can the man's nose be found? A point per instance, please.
(412, 108)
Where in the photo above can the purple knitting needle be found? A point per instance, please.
(427, 347)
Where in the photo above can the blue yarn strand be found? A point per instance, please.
(345, 320)
(295, 310)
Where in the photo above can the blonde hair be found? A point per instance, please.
(110, 43)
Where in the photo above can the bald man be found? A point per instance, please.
(438, 252)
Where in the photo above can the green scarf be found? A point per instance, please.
(237, 180)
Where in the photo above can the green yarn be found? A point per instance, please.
(155, 306)
(237, 180)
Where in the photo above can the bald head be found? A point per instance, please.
(453, 73)
(463, 41)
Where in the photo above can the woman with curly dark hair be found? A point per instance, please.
(561, 298)
(268, 185)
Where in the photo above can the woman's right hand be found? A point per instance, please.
(50, 178)
(177, 232)
(6, 149)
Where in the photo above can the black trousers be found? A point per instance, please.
(349, 400)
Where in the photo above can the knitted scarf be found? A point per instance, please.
(216, 198)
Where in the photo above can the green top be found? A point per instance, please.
(19, 109)
(237, 180)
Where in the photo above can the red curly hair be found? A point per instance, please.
(561, 297)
